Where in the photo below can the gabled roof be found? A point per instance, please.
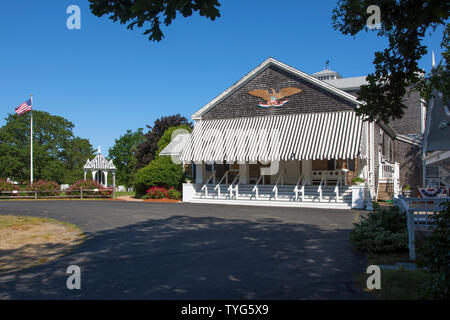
(99, 162)
(259, 69)
(326, 72)
(352, 83)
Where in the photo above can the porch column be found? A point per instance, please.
(93, 175)
(199, 173)
(307, 171)
(243, 173)
(106, 179)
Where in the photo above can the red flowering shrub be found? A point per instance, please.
(161, 192)
(44, 188)
(156, 193)
(88, 185)
(7, 186)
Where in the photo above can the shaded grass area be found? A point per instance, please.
(395, 284)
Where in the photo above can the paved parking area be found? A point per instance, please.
(194, 251)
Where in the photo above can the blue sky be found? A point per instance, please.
(107, 79)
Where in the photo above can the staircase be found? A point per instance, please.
(385, 191)
(285, 198)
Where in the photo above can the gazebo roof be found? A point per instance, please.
(99, 162)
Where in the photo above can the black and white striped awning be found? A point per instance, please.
(329, 135)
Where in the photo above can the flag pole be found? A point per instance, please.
(31, 141)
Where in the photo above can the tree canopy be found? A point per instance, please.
(123, 155)
(143, 12)
(146, 151)
(405, 24)
(58, 155)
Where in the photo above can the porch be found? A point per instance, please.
(323, 183)
(289, 160)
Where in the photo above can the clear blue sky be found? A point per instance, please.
(107, 79)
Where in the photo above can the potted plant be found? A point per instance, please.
(188, 179)
(358, 180)
(406, 190)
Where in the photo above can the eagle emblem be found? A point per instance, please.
(272, 98)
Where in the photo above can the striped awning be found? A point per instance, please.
(329, 135)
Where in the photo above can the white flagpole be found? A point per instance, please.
(31, 141)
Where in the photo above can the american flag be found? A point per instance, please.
(24, 107)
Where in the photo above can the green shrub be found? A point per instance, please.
(357, 180)
(383, 230)
(7, 186)
(44, 188)
(173, 194)
(88, 185)
(435, 257)
(160, 172)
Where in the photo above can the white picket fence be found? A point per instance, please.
(419, 212)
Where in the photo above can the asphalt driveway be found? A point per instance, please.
(194, 251)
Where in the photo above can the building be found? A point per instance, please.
(282, 137)
(436, 146)
(99, 168)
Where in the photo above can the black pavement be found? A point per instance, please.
(139, 250)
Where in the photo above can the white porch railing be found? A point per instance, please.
(386, 171)
(255, 188)
(390, 172)
(275, 188)
(418, 212)
(205, 186)
(322, 182)
(302, 189)
(217, 187)
(336, 188)
(236, 188)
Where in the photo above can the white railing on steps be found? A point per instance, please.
(205, 186)
(217, 187)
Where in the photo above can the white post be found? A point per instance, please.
(106, 179)
(411, 235)
(31, 141)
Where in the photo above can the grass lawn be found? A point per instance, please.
(29, 241)
(395, 284)
(125, 193)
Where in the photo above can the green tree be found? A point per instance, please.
(57, 154)
(161, 171)
(405, 24)
(146, 150)
(123, 156)
(141, 12)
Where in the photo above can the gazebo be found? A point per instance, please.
(100, 167)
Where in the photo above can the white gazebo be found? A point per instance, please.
(100, 167)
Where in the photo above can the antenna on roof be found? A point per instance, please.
(327, 64)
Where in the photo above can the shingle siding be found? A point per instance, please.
(410, 122)
(312, 98)
(410, 159)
